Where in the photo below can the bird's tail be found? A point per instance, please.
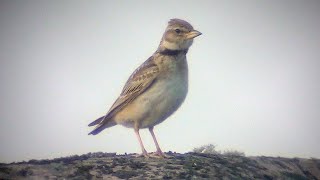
(97, 121)
(101, 125)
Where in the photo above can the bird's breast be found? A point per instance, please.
(167, 94)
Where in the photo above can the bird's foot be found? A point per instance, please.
(143, 154)
(153, 155)
(159, 154)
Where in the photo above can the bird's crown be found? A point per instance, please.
(180, 23)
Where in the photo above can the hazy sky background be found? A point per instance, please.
(254, 76)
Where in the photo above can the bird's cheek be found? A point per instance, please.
(170, 45)
(170, 37)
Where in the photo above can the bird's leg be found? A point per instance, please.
(159, 152)
(144, 152)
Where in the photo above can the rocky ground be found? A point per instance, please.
(177, 166)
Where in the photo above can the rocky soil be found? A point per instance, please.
(177, 166)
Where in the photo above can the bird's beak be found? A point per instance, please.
(193, 34)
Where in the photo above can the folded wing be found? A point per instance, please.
(140, 80)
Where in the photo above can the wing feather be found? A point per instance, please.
(140, 80)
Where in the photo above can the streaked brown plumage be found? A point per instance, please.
(157, 88)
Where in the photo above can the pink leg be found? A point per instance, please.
(144, 152)
(159, 152)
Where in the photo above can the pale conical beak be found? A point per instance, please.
(193, 34)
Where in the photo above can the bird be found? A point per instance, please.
(156, 89)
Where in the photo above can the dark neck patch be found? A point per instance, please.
(169, 52)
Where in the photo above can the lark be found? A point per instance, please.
(156, 89)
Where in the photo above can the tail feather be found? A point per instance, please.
(97, 121)
(101, 127)
(96, 130)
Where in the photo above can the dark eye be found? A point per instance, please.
(177, 31)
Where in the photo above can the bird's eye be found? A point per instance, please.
(177, 31)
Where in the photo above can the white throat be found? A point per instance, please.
(177, 46)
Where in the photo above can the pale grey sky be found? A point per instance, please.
(254, 75)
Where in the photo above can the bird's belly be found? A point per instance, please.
(164, 101)
(155, 104)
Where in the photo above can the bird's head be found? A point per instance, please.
(178, 36)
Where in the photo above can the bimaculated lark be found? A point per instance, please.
(157, 88)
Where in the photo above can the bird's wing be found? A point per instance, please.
(140, 80)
